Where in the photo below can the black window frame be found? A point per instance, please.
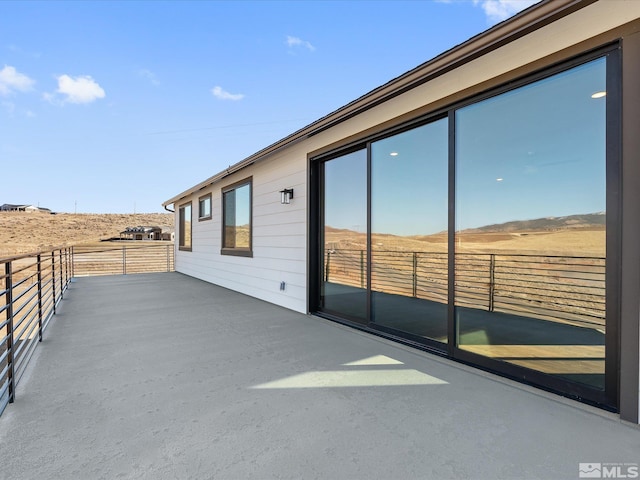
(237, 251)
(181, 227)
(203, 198)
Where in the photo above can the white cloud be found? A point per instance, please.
(149, 75)
(298, 42)
(499, 10)
(11, 81)
(218, 92)
(81, 89)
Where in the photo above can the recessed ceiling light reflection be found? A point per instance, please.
(394, 154)
(499, 179)
(599, 95)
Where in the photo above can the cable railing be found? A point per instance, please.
(567, 289)
(32, 286)
(123, 258)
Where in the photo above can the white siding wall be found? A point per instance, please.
(279, 235)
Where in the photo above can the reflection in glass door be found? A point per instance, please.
(531, 226)
(344, 231)
(524, 284)
(409, 225)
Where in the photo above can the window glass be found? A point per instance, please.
(236, 203)
(344, 274)
(409, 224)
(530, 225)
(185, 227)
(204, 207)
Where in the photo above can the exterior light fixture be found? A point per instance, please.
(286, 195)
(599, 94)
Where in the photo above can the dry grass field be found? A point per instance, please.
(23, 232)
(587, 241)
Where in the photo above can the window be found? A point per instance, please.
(184, 240)
(204, 208)
(236, 219)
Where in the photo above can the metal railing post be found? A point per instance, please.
(124, 260)
(326, 267)
(361, 268)
(67, 256)
(10, 360)
(53, 279)
(39, 259)
(492, 267)
(61, 274)
(168, 259)
(66, 266)
(73, 263)
(415, 274)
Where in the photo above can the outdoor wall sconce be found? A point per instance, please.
(286, 195)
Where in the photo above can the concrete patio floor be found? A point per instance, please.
(164, 376)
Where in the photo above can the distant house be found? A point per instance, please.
(141, 233)
(9, 207)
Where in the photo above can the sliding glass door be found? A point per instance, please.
(488, 232)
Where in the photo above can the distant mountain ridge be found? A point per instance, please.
(585, 221)
(570, 222)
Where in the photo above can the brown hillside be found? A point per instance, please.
(588, 221)
(22, 232)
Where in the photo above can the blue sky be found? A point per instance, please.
(114, 107)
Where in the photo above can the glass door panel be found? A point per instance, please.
(409, 224)
(344, 230)
(530, 252)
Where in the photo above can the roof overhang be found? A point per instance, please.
(521, 24)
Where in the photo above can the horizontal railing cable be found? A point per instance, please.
(33, 285)
(568, 289)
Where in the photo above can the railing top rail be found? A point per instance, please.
(33, 254)
(496, 253)
(81, 249)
